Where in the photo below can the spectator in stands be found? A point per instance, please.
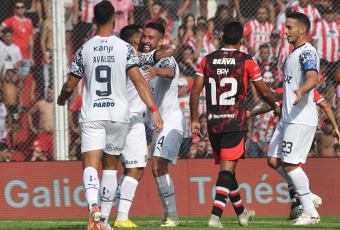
(46, 42)
(210, 151)
(3, 122)
(183, 100)
(73, 117)
(44, 132)
(177, 9)
(325, 146)
(11, 53)
(5, 153)
(123, 14)
(84, 12)
(200, 43)
(186, 30)
(68, 7)
(186, 63)
(268, 64)
(203, 120)
(167, 35)
(201, 149)
(9, 89)
(22, 28)
(192, 152)
(258, 31)
(139, 14)
(38, 153)
(34, 13)
(326, 40)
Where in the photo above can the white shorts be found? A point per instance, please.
(109, 136)
(291, 142)
(135, 153)
(166, 144)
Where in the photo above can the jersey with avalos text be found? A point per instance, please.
(104, 62)
(137, 106)
(226, 73)
(165, 94)
(301, 60)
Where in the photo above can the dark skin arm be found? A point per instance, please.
(194, 98)
(67, 90)
(267, 95)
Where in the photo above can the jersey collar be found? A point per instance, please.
(228, 49)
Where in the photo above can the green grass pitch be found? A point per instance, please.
(197, 222)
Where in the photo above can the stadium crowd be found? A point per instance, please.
(26, 108)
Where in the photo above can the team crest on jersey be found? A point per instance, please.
(224, 61)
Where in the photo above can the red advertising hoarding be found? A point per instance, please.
(54, 189)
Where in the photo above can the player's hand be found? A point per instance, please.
(150, 73)
(252, 138)
(196, 128)
(299, 94)
(277, 111)
(248, 113)
(278, 97)
(336, 134)
(61, 101)
(157, 122)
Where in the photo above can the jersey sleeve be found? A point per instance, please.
(317, 97)
(148, 58)
(168, 62)
(309, 60)
(253, 70)
(77, 67)
(280, 91)
(6, 23)
(201, 67)
(132, 59)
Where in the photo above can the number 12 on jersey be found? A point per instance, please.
(226, 98)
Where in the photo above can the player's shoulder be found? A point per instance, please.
(307, 51)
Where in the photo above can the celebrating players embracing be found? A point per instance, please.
(225, 74)
(105, 61)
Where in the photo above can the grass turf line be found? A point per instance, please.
(197, 222)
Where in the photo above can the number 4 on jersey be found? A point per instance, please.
(226, 98)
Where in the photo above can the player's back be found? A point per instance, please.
(165, 93)
(104, 62)
(301, 60)
(226, 73)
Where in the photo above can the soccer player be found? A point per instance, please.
(225, 74)
(165, 145)
(105, 61)
(135, 154)
(294, 134)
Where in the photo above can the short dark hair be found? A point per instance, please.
(103, 12)
(188, 48)
(232, 33)
(7, 30)
(301, 18)
(129, 31)
(201, 26)
(203, 115)
(156, 26)
(264, 46)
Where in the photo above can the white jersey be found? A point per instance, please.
(104, 61)
(165, 94)
(301, 60)
(137, 106)
(11, 55)
(3, 114)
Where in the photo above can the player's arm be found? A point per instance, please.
(163, 52)
(337, 75)
(67, 89)
(166, 70)
(267, 95)
(145, 94)
(329, 113)
(194, 100)
(264, 109)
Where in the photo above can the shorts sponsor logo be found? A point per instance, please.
(111, 147)
(127, 162)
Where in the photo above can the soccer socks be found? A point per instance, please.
(127, 193)
(235, 197)
(91, 186)
(108, 190)
(284, 174)
(121, 179)
(223, 186)
(167, 194)
(301, 183)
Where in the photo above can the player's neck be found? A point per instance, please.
(105, 31)
(227, 46)
(300, 42)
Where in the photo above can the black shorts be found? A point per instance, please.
(13, 112)
(228, 146)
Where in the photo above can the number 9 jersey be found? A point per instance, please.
(104, 62)
(226, 73)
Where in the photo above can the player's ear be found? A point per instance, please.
(136, 40)
(160, 42)
(242, 41)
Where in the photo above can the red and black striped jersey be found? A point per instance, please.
(226, 73)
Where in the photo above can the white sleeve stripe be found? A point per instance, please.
(199, 74)
(320, 101)
(257, 79)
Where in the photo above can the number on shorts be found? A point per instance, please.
(106, 79)
(160, 142)
(286, 147)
